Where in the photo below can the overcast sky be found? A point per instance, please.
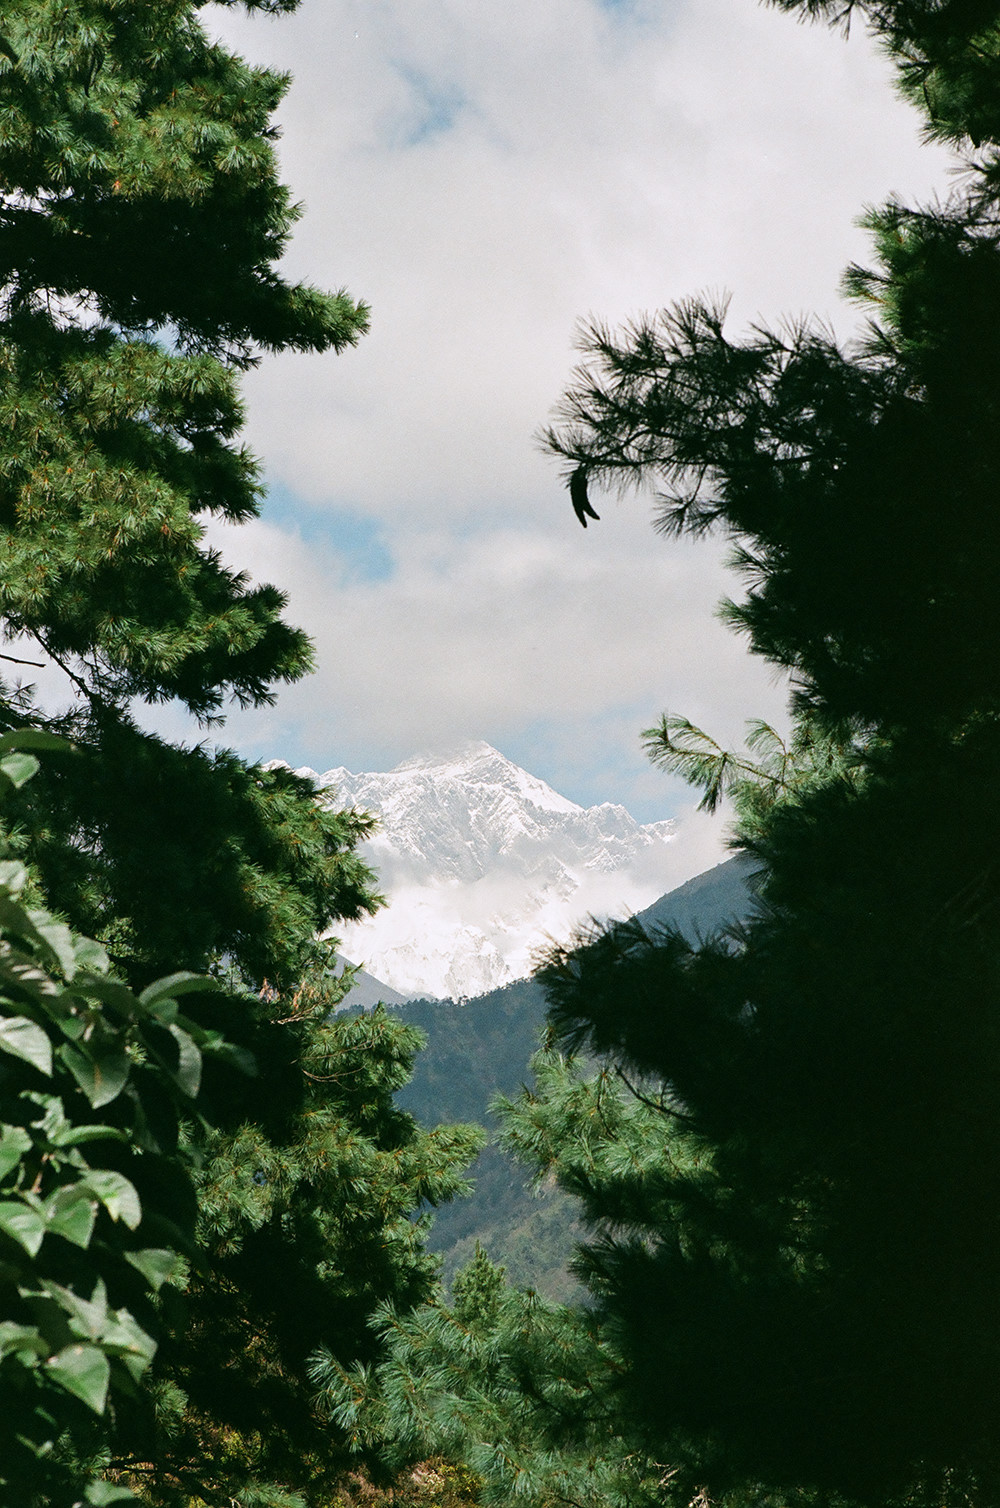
(483, 175)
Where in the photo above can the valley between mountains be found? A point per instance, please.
(480, 1048)
(482, 863)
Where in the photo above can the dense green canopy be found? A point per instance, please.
(141, 220)
(800, 1266)
(141, 226)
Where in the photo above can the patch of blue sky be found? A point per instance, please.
(593, 760)
(632, 9)
(436, 105)
(639, 15)
(359, 541)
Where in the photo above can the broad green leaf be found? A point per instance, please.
(164, 1012)
(21, 1338)
(34, 738)
(15, 918)
(83, 1371)
(18, 768)
(128, 1342)
(91, 955)
(88, 1317)
(168, 988)
(70, 1213)
(109, 992)
(13, 875)
(118, 1196)
(188, 1071)
(25, 972)
(15, 1141)
(24, 1038)
(39, 927)
(72, 1024)
(229, 1052)
(157, 1264)
(73, 1136)
(53, 1117)
(58, 938)
(105, 1494)
(24, 1225)
(102, 1076)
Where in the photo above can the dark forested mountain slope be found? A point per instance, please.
(481, 1048)
(706, 903)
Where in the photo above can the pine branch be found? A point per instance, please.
(13, 660)
(658, 1105)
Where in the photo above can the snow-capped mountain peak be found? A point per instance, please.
(481, 862)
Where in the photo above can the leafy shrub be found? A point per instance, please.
(97, 1205)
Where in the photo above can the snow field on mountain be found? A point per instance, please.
(483, 863)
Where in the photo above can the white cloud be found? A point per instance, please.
(594, 165)
(485, 175)
(477, 636)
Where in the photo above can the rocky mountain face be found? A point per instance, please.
(481, 863)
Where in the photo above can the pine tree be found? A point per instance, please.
(797, 1258)
(793, 1247)
(98, 1206)
(513, 1387)
(306, 1228)
(141, 223)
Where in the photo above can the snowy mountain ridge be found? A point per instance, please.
(482, 862)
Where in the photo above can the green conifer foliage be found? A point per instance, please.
(945, 52)
(796, 1258)
(140, 181)
(797, 1248)
(514, 1388)
(306, 1227)
(255, 868)
(141, 219)
(141, 226)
